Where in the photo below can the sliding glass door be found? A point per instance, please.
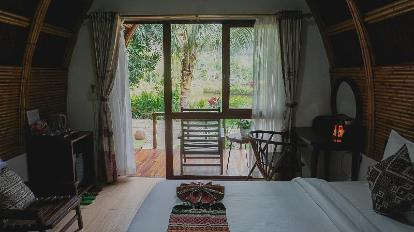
(208, 91)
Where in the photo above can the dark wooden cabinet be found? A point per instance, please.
(68, 160)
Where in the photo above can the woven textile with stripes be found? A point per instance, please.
(203, 218)
(201, 210)
(200, 193)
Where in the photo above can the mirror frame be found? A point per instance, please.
(357, 95)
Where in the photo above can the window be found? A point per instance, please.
(211, 67)
(241, 67)
(196, 66)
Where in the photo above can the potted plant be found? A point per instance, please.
(244, 126)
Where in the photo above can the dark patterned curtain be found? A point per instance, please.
(290, 29)
(105, 28)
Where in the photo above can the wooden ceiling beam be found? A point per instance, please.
(383, 13)
(389, 11)
(368, 60)
(20, 21)
(33, 37)
(340, 27)
(57, 31)
(13, 19)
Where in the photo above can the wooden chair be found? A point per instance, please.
(270, 150)
(43, 214)
(201, 139)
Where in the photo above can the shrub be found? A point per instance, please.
(144, 105)
(240, 90)
(240, 102)
(200, 104)
(211, 90)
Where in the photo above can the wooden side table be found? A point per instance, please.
(237, 138)
(319, 143)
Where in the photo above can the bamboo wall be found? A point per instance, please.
(36, 42)
(370, 42)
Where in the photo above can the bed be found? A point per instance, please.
(303, 204)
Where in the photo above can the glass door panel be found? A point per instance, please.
(196, 66)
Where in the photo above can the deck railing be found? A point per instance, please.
(155, 116)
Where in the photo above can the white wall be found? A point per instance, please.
(314, 86)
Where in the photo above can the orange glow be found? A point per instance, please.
(338, 133)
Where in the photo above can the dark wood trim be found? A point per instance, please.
(129, 32)
(169, 150)
(225, 57)
(368, 67)
(231, 114)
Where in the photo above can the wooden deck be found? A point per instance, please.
(151, 163)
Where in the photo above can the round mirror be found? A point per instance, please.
(345, 99)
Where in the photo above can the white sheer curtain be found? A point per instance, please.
(268, 92)
(120, 104)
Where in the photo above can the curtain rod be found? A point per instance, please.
(194, 17)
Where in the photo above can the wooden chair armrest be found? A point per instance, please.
(58, 189)
(22, 214)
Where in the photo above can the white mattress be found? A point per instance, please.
(298, 205)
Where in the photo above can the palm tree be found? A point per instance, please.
(187, 41)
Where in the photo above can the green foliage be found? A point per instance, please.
(200, 40)
(211, 90)
(143, 105)
(176, 99)
(144, 53)
(241, 39)
(200, 104)
(241, 90)
(240, 102)
(244, 124)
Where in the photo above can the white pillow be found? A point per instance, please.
(395, 142)
(2, 164)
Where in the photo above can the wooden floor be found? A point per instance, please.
(151, 163)
(115, 207)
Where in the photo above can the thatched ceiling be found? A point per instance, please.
(63, 17)
(58, 22)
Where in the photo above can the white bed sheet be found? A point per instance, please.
(298, 205)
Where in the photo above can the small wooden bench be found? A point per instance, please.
(43, 214)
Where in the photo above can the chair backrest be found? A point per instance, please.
(269, 148)
(200, 136)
